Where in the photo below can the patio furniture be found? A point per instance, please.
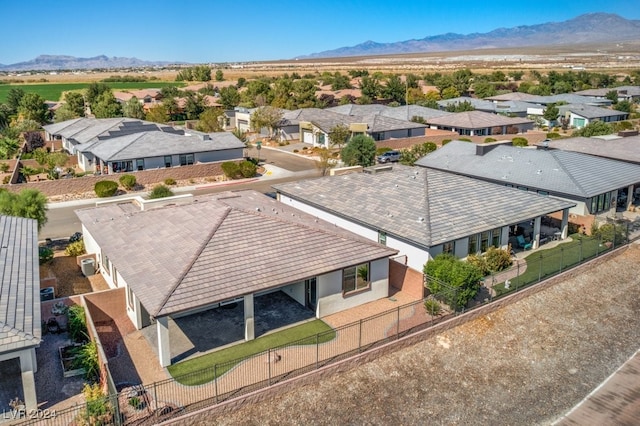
(522, 243)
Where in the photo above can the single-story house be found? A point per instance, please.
(20, 322)
(184, 258)
(477, 104)
(614, 147)
(422, 212)
(80, 131)
(579, 115)
(594, 184)
(625, 93)
(147, 97)
(403, 112)
(478, 123)
(152, 150)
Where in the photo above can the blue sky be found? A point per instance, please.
(201, 31)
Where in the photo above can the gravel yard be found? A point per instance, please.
(528, 363)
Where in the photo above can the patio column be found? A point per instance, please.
(614, 203)
(249, 328)
(164, 350)
(28, 366)
(629, 196)
(564, 227)
(535, 238)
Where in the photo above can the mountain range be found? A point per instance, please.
(62, 62)
(587, 28)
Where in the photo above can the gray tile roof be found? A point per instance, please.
(421, 206)
(146, 144)
(479, 104)
(220, 247)
(20, 324)
(476, 120)
(622, 90)
(591, 112)
(515, 96)
(560, 172)
(404, 112)
(623, 149)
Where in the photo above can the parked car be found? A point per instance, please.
(389, 157)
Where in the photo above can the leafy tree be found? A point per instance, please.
(416, 152)
(229, 97)
(258, 93)
(459, 106)
(33, 140)
(340, 82)
(358, 73)
(452, 280)
(8, 148)
(450, 93)
(412, 81)
(304, 93)
(64, 113)
(370, 87)
(594, 128)
(624, 106)
(171, 109)
(210, 120)
(266, 116)
(197, 73)
(339, 135)
(50, 161)
(516, 75)
(106, 106)
(32, 107)
(75, 102)
(360, 151)
(462, 80)
(29, 203)
(194, 105)
(241, 82)
(219, 75)
(94, 91)
(169, 92)
(5, 113)
(484, 89)
(551, 113)
(612, 95)
(282, 93)
(208, 90)
(158, 114)
(14, 96)
(133, 109)
(324, 162)
(395, 90)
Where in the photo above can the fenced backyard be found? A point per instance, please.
(191, 391)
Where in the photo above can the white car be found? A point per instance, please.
(389, 157)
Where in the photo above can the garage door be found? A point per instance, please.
(307, 137)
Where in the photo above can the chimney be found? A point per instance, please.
(483, 148)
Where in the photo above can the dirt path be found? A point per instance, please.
(528, 363)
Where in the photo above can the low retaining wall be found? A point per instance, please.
(204, 416)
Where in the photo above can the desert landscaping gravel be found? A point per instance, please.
(526, 364)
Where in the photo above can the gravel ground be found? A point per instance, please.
(528, 363)
(70, 279)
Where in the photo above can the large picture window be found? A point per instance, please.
(186, 159)
(473, 244)
(355, 278)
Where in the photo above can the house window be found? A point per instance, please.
(473, 244)
(167, 161)
(523, 188)
(140, 164)
(496, 235)
(115, 276)
(355, 278)
(594, 205)
(448, 247)
(545, 193)
(382, 238)
(600, 202)
(186, 159)
(607, 200)
(107, 265)
(484, 241)
(130, 297)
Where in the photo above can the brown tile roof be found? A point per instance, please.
(220, 247)
(476, 120)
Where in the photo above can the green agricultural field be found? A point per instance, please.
(53, 91)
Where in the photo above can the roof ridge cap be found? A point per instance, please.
(553, 153)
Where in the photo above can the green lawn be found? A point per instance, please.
(554, 260)
(53, 91)
(201, 370)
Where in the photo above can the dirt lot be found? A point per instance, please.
(528, 363)
(70, 279)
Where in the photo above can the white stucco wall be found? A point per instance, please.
(295, 291)
(332, 300)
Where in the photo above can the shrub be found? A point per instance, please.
(6, 179)
(465, 139)
(445, 141)
(231, 169)
(88, 360)
(479, 262)
(77, 324)
(518, 141)
(128, 181)
(487, 140)
(247, 169)
(136, 402)
(553, 135)
(45, 254)
(160, 191)
(304, 148)
(4, 167)
(432, 306)
(169, 181)
(451, 280)
(497, 259)
(105, 188)
(610, 232)
(97, 410)
(75, 249)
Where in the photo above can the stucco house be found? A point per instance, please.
(625, 93)
(614, 147)
(422, 212)
(195, 255)
(479, 123)
(594, 184)
(20, 318)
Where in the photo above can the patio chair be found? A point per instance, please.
(522, 243)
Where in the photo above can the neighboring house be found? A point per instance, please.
(404, 112)
(80, 131)
(20, 324)
(625, 93)
(242, 118)
(478, 123)
(153, 150)
(181, 259)
(146, 97)
(477, 104)
(421, 212)
(625, 149)
(579, 115)
(514, 96)
(594, 184)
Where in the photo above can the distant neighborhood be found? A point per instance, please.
(182, 288)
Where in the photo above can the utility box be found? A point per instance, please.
(47, 293)
(88, 266)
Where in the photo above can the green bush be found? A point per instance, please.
(445, 141)
(247, 169)
(610, 232)
(77, 324)
(465, 139)
(518, 141)
(487, 140)
(97, 410)
(128, 181)
(6, 179)
(160, 191)
(105, 188)
(452, 280)
(432, 306)
(497, 259)
(169, 181)
(295, 151)
(45, 254)
(231, 169)
(75, 249)
(553, 135)
(4, 167)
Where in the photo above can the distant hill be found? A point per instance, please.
(588, 28)
(62, 62)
